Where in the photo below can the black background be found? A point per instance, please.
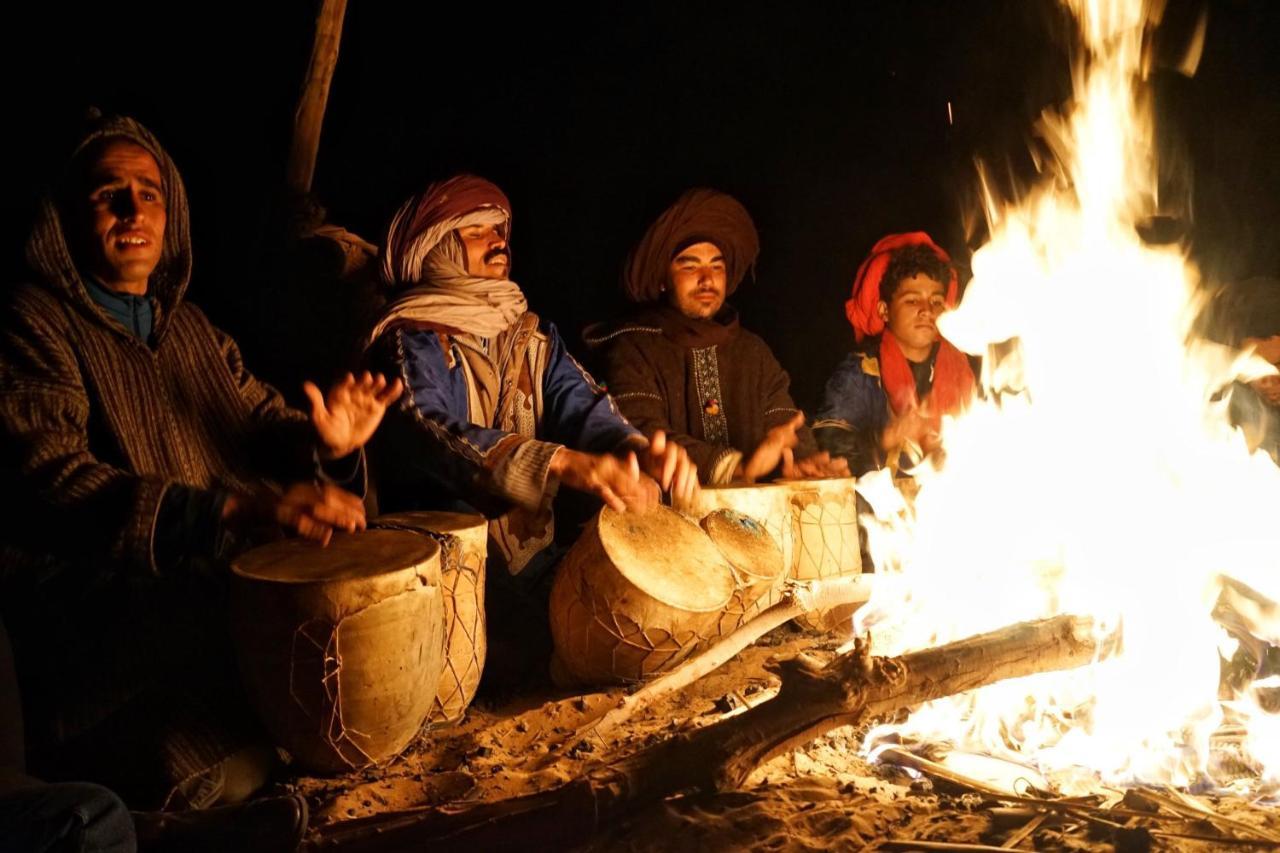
(827, 120)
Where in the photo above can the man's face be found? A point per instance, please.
(486, 250)
(912, 314)
(696, 281)
(121, 217)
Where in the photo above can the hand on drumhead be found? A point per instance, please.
(314, 512)
(816, 467)
(617, 482)
(669, 464)
(308, 510)
(348, 415)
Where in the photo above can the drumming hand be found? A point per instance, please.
(915, 425)
(768, 453)
(617, 482)
(311, 511)
(669, 464)
(816, 467)
(348, 416)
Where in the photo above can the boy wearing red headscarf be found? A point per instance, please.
(886, 399)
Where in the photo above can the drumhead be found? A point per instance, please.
(348, 556)
(746, 544)
(432, 522)
(667, 556)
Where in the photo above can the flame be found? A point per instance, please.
(1100, 473)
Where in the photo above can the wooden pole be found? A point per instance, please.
(309, 116)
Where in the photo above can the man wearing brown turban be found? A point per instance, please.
(682, 363)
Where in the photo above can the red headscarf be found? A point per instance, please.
(862, 308)
(953, 380)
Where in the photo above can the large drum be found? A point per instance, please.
(635, 595)
(824, 535)
(824, 528)
(768, 503)
(464, 544)
(755, 558)
(341, 647)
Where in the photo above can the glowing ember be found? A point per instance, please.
(1099, 476)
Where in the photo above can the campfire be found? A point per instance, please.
(1097, 477)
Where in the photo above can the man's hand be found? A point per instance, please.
(308, 510)
(916, 425)
(349, 415)
(669, 464)
(1267, 348)
(617, 482)
(768, 454)
(819, 466)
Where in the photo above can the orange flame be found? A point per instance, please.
(1100, 475)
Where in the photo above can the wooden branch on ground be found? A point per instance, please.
(812, 700)
(309, 116)
(799, 598)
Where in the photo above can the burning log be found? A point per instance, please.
(812, 700)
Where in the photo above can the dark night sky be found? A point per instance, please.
(828, 120)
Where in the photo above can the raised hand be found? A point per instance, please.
(917, 426)
(669, 464)
(347, 418)
(617, 482)
(769, 452)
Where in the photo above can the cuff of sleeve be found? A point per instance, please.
(523, 476)
(723, 467)
(188, 526)
(340, 472)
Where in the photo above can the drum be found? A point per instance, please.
(824, 528)
(635, 595)
(755, 558)
(341, 647)
(767, 503)
(464, 546)
(824, 535)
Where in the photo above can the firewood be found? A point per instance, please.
(813, 699)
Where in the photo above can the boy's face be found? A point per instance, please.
(912, 314)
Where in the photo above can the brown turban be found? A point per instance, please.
(698, 216)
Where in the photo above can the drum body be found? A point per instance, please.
(824, 535)
(635, 595)
(756, 560)
(341, 647)
(464, 546)
(824, 528)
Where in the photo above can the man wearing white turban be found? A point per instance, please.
(498, 413)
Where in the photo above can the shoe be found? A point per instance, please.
(267, 825)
